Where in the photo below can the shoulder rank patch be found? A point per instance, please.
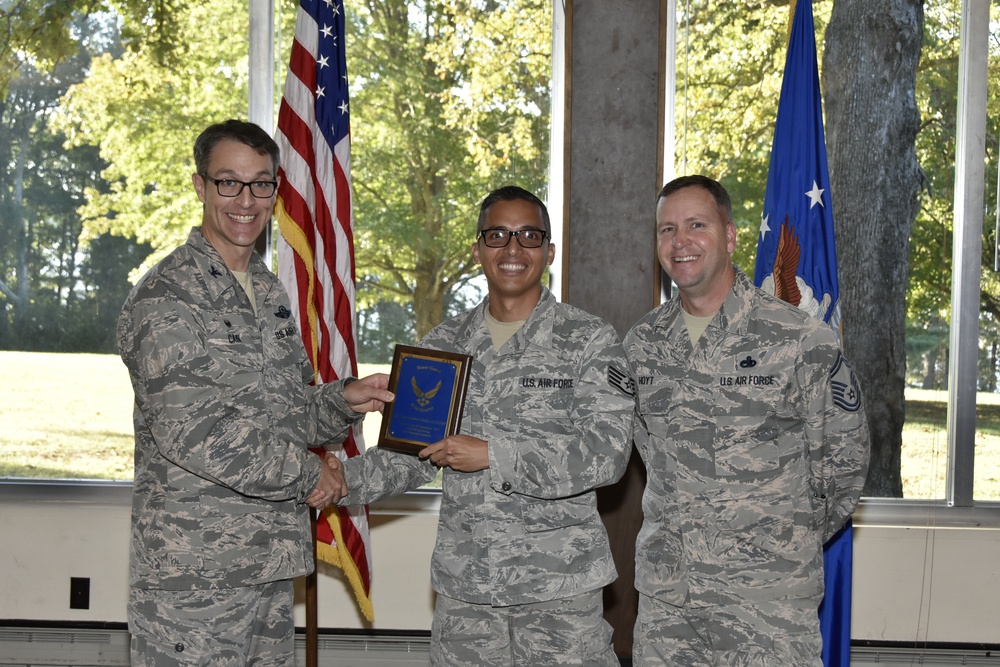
(846, 393)
(620, 380)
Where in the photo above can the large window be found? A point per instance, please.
(726, 94)
(447, 102)
(96, 186)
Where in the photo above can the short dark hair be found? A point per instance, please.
(713, 187)
(243, 132)
(513, 193)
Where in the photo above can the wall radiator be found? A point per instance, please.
(75, 647)
(55, 647)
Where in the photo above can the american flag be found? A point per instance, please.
(797, 262)
(316, 246)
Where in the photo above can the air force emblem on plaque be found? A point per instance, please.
(424, 397)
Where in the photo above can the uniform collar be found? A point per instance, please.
(734, 315)
(537, 328)
(216, 275)
(735, 312)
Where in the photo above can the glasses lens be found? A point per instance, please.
(228, 187)
(262, 189)
(496, 238)
(500, 237)
(530, 238)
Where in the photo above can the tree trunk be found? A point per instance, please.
(21, 229)
(930, 368)
(990, 382)
(428, 302)
(869, 75)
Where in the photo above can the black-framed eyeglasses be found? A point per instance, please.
(230, 187)
(498, 237)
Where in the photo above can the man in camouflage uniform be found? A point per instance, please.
(756, 447)
(521, 554)
(223, 415)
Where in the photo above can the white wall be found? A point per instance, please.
(928, 574)
(916, 579)
(45, 543)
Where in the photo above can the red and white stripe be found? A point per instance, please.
(316, 257)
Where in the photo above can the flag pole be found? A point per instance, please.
(316, 261)
(798, 159)
(791, 20)
(312, 603)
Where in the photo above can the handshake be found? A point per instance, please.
(331, 487)
(369, 394)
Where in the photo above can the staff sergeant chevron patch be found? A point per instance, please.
(620, 379)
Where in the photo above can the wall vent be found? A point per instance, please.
(72, 647)
(75, 647)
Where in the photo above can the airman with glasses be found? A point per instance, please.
(224, 413)
(522, 555)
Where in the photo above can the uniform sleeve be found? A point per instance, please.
(328, 416)
(640, 432)
(190, 411)
(836, 430)
(380, 473)
(562, 457)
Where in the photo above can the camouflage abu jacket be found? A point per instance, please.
(756, 447)
(223, 416)
(526, 529)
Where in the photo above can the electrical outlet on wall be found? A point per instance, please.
(79, 592)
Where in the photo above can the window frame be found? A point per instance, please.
(970, 176)
(957, 509)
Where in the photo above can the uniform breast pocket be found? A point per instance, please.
(542, 424)
(658, 451)
(654, 407)
(235, 342)
(284, 338)
(748, 447)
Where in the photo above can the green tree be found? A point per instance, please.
(730, 59)
(449, 100)
(930, 259)
(58, 291)
(929, 294)
(381, 326)
(39, 34)
(104, 276)
(143, 113)
(40, 190)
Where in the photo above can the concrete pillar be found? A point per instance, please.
(614, 134)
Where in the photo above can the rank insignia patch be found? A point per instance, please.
(846, 393)
(620, 379)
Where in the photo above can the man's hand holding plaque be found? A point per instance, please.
(430, 387)
(463, 453)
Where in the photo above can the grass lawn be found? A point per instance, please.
(70, 416)
(925, 445)
(65, 416)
